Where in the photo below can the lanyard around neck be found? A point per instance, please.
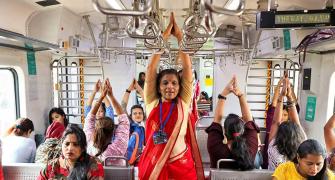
(162, 124)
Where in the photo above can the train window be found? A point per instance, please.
(294, 76)
(276, 74)
(9, 97)
(54, 82)
(74, 95)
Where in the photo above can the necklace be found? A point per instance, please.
(67, 165)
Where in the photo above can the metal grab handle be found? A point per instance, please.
(131, 31)
(111, 11)
(220, 10)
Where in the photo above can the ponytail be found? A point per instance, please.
(240, 152)
(234, 128)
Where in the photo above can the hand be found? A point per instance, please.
(104, 91)
(279, 84)
(236, 90)
(289, 91)
(109, 88)
(167, 32)
(132, 85)
(176, 32)
(284, 88)
(229, 88)
(97, 86)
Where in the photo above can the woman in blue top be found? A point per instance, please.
(137, 132)
(105, 109)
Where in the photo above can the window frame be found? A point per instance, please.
(16, 89)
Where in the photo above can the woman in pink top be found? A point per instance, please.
(99, 132)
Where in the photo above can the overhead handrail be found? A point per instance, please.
(112, 11)
(219, 10)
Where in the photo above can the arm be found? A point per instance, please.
(187, 78)
(277, 117)
(151, 75)
(276, 93)
(95, 90)
(109, 108)
(126, 94)
(246, 113)
(219, 111)
(292, 111)
(329, 133)
(115, 103)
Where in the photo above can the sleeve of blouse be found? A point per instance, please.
(119, 145)
(89, 126)
(186, 91)
(250, 134)
(215, 139)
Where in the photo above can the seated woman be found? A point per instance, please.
(204, 99)
(99, 132)
(74, 163)
(58, 115)
(136, 140)
(171, 151)
(240, 133)
(329, 135)
(51, 148)
(105, 108)
(269, 118)
(17, 146)
(284, 137)
(310, 163)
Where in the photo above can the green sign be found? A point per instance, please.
(310, 108)
(31, 62)
(287, 39)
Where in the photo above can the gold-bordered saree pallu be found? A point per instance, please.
(155, 161)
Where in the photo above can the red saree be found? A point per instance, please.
(155, 162)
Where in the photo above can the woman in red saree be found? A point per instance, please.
(171, 150)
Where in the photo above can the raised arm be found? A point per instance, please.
(95, 90)
(187, 78)
(126, 94)
(97, 104)
(292, 110)
(329, 133)
(276, 93)
(139, 89)
(150, 93)
(219, 111)
(117, 107)
(246, 113)
(277, 117)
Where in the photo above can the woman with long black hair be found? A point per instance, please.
(74, 163)
(241, 141)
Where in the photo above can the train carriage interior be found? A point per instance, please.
(52, 53)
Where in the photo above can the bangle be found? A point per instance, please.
(222, 97)
(128, 91)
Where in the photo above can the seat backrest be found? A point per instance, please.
(225, 174)
(119, 173)
(202, 136)
(19, 171)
